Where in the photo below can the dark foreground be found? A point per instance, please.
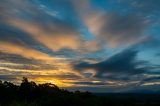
(31, 94)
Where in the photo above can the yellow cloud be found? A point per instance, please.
(56, 39)
(26, 52)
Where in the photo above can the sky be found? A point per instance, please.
(94, 45)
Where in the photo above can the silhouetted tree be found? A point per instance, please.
(28, 93)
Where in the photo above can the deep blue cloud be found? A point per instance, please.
(123, 63)
(125, 59)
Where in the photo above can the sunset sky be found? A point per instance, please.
(95, 45)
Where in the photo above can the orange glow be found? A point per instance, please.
(54, 40)
(26, 52)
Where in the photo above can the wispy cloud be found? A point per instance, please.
(12, 48)
(85, 43)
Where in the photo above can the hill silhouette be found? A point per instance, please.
(28, 93)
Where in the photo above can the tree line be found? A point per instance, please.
(28, 93)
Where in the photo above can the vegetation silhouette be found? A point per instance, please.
(28, 93)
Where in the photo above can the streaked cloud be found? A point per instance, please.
(81, 44)
(12, 48)
(116, 29)
(121, 67)
(55, 38)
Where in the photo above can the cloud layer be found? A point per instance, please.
(81, 44)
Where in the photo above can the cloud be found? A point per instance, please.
(50, 31)
(145, 6)
(33, 67)
(55, 39)
(149, 80)
(124, 26)
(42, 40)
(89, 83)
(118, 66)
(26, 29)
(91, 46)
(11, 48)
(13, 58)
(20, 48)
(14, 35)
(26, 24)
(7, 77)
(115, 29)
